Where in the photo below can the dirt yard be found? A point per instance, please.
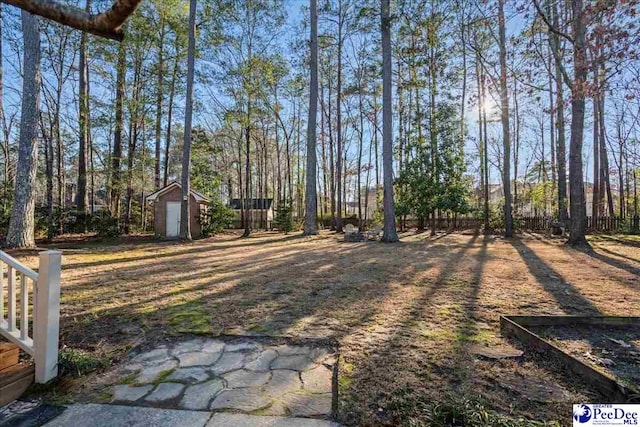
(405, 315)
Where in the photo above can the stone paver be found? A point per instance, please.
(198, 396)
(164, 392)
(502, 351)
(283, 381)
(317, 380)
(242, 346)
(308, 405)
(243, 375)
(242, 420)
(277, 409)
(197, 358)
(213, 346)
(296, 363)
(157, 355)
(126, 393)
(184, 347)
(247, 400)
(189, 375)
(322, 355)
(151, 372)
(114, 415)
(228, 362)
(263, 362)
(243, 378)
(292, 350)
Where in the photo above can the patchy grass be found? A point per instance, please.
(406, 315)
(76, 363)
(191, 318)
(162, 376)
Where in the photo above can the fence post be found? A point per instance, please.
(47, 313)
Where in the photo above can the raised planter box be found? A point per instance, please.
(518, 327)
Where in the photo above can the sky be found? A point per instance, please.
(11, 81)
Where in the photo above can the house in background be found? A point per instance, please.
(258, 211)
(166, 204)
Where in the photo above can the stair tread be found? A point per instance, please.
(12, 373)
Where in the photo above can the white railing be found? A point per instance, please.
(44, 288)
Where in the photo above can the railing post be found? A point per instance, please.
(47, 312)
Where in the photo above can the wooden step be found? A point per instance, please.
(14, 381)
(8, 355)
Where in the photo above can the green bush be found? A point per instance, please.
(215, 218)
(104, 224)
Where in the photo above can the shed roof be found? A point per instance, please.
(154, 196)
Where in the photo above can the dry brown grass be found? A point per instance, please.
(404, 314)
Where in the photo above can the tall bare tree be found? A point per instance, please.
(389, 234)
(504, 114)
(185, 211)
(82, 199)
(21, 225)
(578, 85)
(310, 202)
(116, 156)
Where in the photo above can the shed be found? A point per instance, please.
(166, 204)
(260, 211)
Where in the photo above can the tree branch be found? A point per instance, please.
(552, 28)
(107, 24)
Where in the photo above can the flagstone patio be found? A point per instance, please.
(239, 375)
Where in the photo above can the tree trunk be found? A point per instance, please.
(339, 166)
(595, 201)
(82, 199)
(311, 208)
(504, 110)
(172, 91)
(159, 98)
(360, 144)
(21, 225)
(185, 211)
(48, 155)
(389, 234)
(3, 119)
(516, 143)
(116, 157)
(576, 184)
(561, 150)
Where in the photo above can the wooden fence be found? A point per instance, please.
(533, 223)
(530, 223)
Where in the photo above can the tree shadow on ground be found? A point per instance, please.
(614, 262)
(566, 295)
(262, 293)
(617, 239)
(617, 254)
(399, 351)
(202, 246)
(404, 314)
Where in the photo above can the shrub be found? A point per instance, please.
(103, 223)
(76, 363)
(215, 218)
(284, 219)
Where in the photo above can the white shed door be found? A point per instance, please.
(173, 219)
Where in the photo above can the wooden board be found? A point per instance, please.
(8, 355)
(514, 326)
(14, 381)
